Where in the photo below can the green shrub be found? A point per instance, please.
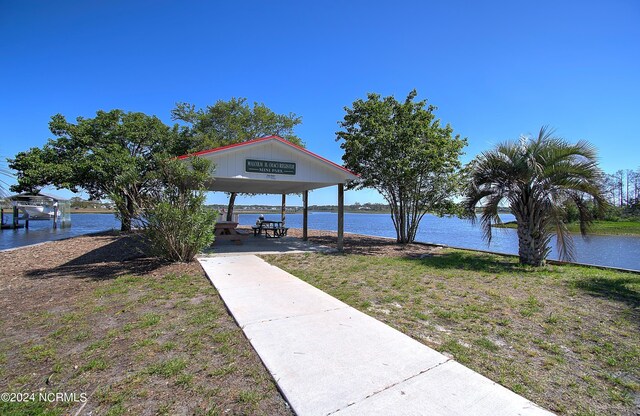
(177, 223)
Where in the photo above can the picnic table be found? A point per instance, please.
(227, 230)
(272, 229)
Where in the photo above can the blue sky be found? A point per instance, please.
(496, 70)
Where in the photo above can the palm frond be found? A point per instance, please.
(490, 216)
(564, 241)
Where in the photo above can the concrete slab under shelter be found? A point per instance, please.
(262, 245)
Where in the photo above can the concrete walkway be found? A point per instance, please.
(330, 359)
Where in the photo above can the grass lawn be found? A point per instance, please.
(137, 336)
(565, 337)
(600, 227)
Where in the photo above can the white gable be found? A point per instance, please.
(271, 165)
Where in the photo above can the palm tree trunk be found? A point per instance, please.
(531, 247)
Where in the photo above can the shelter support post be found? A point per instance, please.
(340, 217)
(305, 215)
(1, 216)
(283, 209)
(55, 216)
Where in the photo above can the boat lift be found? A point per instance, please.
(37, 207)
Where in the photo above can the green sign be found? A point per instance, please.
(270, 166)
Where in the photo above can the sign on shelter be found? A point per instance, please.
(270, 166)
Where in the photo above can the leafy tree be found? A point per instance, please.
(177, 223)
(77, 202)
(230, 122)
(110, 155)
(37, 168)
(537, 178)
(402, 151)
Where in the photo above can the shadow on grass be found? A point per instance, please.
(622, 289)
(363, 245)
(124, 255)
(432, 256)
(477, 262)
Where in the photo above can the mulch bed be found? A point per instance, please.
(53, 270)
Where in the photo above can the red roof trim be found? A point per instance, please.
(262, 139)
(217, 149)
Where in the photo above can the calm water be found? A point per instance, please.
(617, 251)
(40, 231)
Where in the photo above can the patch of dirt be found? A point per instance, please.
(367, 245)
(96, 315)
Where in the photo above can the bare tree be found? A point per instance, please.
(620, 185)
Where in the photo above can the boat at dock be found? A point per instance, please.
(33, 207)
(36, 212)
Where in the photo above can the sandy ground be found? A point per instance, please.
(94, 314)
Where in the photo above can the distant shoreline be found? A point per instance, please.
(246, 212)
(310, 211)
(92, 211)
(618, 228)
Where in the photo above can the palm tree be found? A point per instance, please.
(536, 178)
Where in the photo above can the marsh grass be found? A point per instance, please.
(565, 337)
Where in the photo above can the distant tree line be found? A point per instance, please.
(368, 206)
(622, 190)
(355, 207)
(79, 203)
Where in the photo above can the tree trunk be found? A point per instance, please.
(531, 247)
(232, 201)
(127, 215)
(620, 185)
(402, 219)
(532, 242)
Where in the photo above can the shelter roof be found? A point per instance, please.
(271, 165)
